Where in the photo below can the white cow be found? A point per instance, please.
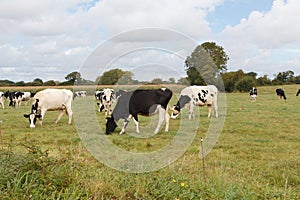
(50, 99)
(2, 99)
(196, 96)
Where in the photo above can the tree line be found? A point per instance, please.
(207, 64)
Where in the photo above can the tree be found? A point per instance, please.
(264, 80)
(231, 78)
(205, 63)
(50, 83)
(284, 77)
(73, 76)
(157, 81)
(218, 55)
(115, 76)
(245, 83)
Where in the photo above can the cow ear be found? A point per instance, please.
(26, 115)
(38, 116)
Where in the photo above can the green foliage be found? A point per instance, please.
(6, 83)
(220, 58)
(205, 63)
(157, 81)
(50, 83)
(115, 76)
(73, 76)
(245, 83)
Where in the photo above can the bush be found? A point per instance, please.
(245, 83)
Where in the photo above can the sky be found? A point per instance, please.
(48, 39)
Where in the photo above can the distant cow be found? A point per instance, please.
(80, 94)
(143, 102)
(280, 93)
(196, 96)
(106, 98)
(10, 96)
(298, 93)
(2, 99)
(253, 94)
(27, 96)
(48, 100)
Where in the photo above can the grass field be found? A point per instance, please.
(257, 155)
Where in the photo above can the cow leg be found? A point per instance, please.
(126, 121)
(61, 113)
(161, 116)
(43, 112)
(209, 110)
(191, 111)
(215, 104)
(136, 122)
(70, 114)
(167, 118)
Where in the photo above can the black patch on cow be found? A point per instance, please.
(183, 100)
(203, 99)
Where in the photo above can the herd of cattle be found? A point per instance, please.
(129, 104)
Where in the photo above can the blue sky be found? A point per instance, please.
(230, 12)
(50, 38)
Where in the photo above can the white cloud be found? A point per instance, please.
(256, 40)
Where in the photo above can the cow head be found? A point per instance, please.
(175, 111)
(108, 96)
(183, 101)
(111, 125)
(33, 115)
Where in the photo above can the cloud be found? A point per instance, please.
(255, 41)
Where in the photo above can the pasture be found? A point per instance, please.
(257, 155)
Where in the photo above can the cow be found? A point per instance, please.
(298, 93)
(79, 94)
(280, 93)
(2, 99)
(192, 96)
(253, 94)
(48, 100)
(27, 96)
(10, 96)
(140, 102)
(106, 98)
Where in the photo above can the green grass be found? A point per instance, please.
(256, 157)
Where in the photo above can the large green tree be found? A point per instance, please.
(205, 63)
(115, 76)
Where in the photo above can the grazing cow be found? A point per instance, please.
(2, 99)
(253, 94)
(80, 94)
(27, 96)
(280, 93)
(298, 93)
(143, 102)
(48, 100)
(199, 96)
(106, 97)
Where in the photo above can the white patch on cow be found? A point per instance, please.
(2, 99)
(163, 89)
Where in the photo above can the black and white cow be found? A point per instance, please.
(2, 99)
(253, 94)
(27, 96)
(48, 100)
(140, 102)
(196, 96)
(298, 93)
(280, 93)
(80, 94)
(106, 98)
